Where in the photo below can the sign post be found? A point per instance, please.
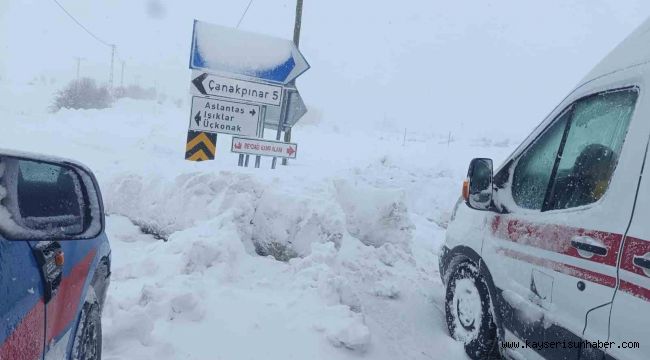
(258, 158)
(283, 115)
(296, 40)
(241, 83)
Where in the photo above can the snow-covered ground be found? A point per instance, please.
(361, 214)
(401, 96)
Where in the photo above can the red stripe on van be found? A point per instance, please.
(635, 290)
(555, 238)
(634, 247)
(64, 306)
(26, 342)
(567, 269)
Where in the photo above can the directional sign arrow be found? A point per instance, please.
(290, 151)
(198, 82)
(252, 112)
(197, 118)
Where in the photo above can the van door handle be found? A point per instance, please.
(643, 261)
(587, 244)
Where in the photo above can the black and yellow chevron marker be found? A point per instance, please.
(200, 146)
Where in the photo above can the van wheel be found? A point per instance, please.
(468, 310)
(88, 340)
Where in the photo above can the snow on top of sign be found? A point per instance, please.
(240, 51)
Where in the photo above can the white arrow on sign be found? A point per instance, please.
(263, 147)
(296, 109)
(224, 116)
(242, 90)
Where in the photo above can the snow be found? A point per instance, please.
(336, 255)
(239, 51)
(363, 226)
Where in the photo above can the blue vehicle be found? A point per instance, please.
(54, 259)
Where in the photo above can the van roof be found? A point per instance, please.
(634, 50)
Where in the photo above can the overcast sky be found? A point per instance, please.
(421, 64)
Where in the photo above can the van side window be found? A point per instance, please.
(533, 171)
(593, 144)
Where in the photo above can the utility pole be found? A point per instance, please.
(296, 40)
(76, 83)
(122, 75)
(78, 66)
(110, 77)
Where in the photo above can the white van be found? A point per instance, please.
(549, 256)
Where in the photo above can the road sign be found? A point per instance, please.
(200, 146)
(224, 50)
(263, 147)
(296, 108)
(242, 90)
(224, 116)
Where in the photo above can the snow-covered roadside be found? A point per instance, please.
(361, 224)
(366, 284)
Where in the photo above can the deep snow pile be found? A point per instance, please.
(356, 230)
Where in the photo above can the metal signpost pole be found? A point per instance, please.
(296, 40)
(283, 115)
(258, 158)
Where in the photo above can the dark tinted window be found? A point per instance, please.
(533, 171)
(592, 147)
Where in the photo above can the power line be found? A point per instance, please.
(81, 25)
(244, 14)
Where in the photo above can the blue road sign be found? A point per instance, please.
(230, 51)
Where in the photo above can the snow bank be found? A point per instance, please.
(375, 216)
(269, 220)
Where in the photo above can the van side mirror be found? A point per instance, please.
(477, 188)
(48, 199)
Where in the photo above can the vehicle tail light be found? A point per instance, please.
(59, 258)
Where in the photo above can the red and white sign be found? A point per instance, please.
(262, 147)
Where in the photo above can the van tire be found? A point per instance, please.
(468, 311)
(88, 340)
